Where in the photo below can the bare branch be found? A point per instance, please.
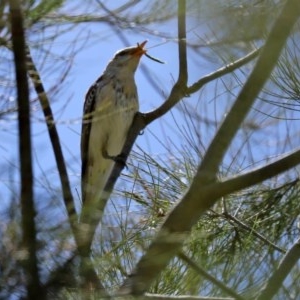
(258, 175)
(148, 296)
(183, 71)
(54, 138)
(223, 71)
(118, 10)
(284, 268)
(34, 290)
(175, 97)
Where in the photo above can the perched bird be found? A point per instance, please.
(109, 108)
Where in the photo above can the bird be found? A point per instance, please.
(108, 112)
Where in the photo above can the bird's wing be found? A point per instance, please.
(88, 111)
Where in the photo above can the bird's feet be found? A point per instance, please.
(120, 158)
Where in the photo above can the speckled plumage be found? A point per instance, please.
(109, 108)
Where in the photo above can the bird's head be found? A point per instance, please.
(127, 60)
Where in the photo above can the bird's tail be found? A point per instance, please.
(92, 189)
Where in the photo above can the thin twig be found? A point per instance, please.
(284, 268)
(223, 71)
(117, 11)
(254, 232)
(209, 277)
(34, 289)
(149, 296)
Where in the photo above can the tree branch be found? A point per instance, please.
(175, 97)
(183, 70)
(284, 268)
(255, 176)
(96, 217)
(34, 290)
(199, 198)
(54, 138)
(223, 71)
(148, 296)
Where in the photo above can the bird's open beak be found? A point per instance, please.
(140, 49)
(143, 44)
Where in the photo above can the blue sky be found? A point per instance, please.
(210, 103)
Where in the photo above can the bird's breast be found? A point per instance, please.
(117, 105)
(126, 93)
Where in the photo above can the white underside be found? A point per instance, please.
(108, 132)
